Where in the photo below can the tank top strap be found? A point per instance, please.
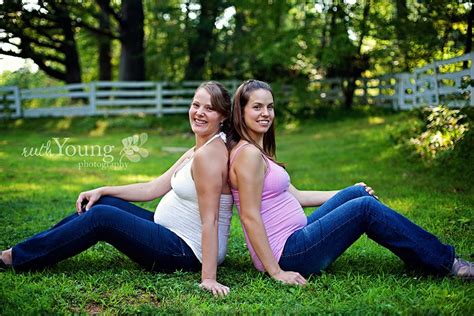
(191, 157)
(221, 135)
(236, 151)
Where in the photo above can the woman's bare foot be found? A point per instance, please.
(6, 257)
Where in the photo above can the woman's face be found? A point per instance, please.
(259, 113)
(204, 120)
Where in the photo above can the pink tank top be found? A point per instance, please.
(281, 212)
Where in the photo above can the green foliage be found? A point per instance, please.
(430, 132)
(410, 126)
(458, 162)
(444, 128)
(37, 192)
(442, 138)
(25, 78)
(282, 41)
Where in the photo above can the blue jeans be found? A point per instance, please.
(340, 221)
(125, 226)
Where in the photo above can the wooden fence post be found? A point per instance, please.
(399, 91)
(364, 89)
(159, 99)
(17, 104)
(415, 91)
(92, 98)
(436, 88)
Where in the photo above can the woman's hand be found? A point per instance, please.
(289, 277)
(91, 197)
(368, 189)
(215, 287)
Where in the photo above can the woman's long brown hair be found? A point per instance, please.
(239, 129)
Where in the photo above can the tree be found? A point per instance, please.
(105, 49)
(94, 39)
(202, 40)
(468, 46)
(131, 36)
(43, 32)
(132, 56)
(343, 57)
(359, 62)
(166, 34)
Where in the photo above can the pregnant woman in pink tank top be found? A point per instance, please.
(290, 246)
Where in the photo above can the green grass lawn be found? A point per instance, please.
(36, 192)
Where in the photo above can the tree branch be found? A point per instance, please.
(364, 26)
(25, 51)
(47, 69)
(23, 37)
(42, 44)
(60, 75)
(12, 53)
(105, 5)
(96, 30)
(18, 30)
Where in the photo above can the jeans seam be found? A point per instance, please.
(85, 232)
(423, 250)
(377, 217)
(146, 244)
(48, 252)
(321, 240)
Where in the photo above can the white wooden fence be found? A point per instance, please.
(100, 98)
(442, 82)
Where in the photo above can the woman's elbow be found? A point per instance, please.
(247, 219)
(209, 221)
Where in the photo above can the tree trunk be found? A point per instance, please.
(202, 42)
(105, 49)
(72, 65)
(324, 34)
(402, 29)
(331, 71)
(349, 93)
(468, 47)
(132, 57)
(359, 63)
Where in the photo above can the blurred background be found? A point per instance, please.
(317, 52)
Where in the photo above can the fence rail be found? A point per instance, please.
(449, 82)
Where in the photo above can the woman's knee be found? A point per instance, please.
(355, 191)
(109, 200)
(363, 205)
(99, 214)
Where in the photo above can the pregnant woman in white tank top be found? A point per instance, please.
(190, 227)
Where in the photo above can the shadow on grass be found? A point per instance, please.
(97, 126)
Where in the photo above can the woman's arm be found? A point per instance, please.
(136, 192)
(317, 198)
(311, 198)
(208, 168)
(249, 170)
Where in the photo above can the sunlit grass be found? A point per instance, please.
(36, 192)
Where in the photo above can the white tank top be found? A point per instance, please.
(178, 211)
